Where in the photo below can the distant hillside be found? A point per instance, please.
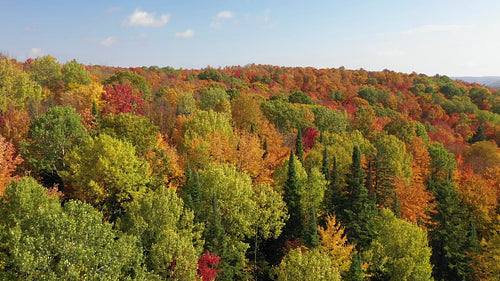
(490, 81)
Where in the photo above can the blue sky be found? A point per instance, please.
(454, 38)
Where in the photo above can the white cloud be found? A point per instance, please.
(434, 28)
(186, 34)
(225, 15)
(108, 42)
(141, 18)
(221, 16)
(35, 52)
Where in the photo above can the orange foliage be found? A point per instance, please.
(8, 163)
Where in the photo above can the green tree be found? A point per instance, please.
(361, 208)
(311, 235)
(400, 251)
(106, 173)
(449, 232)
(299, 147)
(311, 265)
(74, 72)
(51, 136)
(355, 272)
(131, 79)
(16, 88)
(47, 72)
(329, 120)
(294, 227)
(300, 97)
(169, 238)
(214, 98)
(43, 241)
(137, 130)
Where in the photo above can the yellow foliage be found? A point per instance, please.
(334, 244)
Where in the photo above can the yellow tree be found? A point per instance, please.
(334, 244)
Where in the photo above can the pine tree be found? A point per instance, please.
(295, 224)
(299, 147)
(326, 164)
(361, 209)
(449, 232)
(478, 136)
(195, 195)
(311, 236)
(337, 199)
(355, 273)
(215, 235)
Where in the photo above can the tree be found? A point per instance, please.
(334, 243)
(121, 99)
(311, 265)
(294, 227)
(74, 72)
(47, 72)
(168, 236)
(205, 272)
(131, 79)
(214, 98)
(449, 232)
(16, 88)
(52, 136)
(8, 163)
(400, 251)
(299, 147)
(300, 97)
(43, 241)
(486, 264)
(106, 173)
(360, 209)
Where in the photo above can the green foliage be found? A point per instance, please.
(106, 173)
(283, 114)
(43, 241)
(449, 232)
(460, 104)
(330, 120)
(46, 71)
(450, 90)
(374, 96)
(400, 251)
(74, 72)
(16, 88)
(361, 208)
(170, 240)
(214, 98)
(294, 227)
(442, 161)
(311, 265)
(214, 75)
(300, 97)
(52, 136)
(132, 79)
(299, 146)
(186, 104)
(128, 127)
(402, 127)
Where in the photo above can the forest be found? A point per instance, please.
(253, 172)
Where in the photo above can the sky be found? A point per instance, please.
(454, 37)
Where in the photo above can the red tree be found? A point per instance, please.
(122, 99)
(308, 139)
(206, 272)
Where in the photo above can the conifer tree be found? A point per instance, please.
(299, 147)
(295, 224)
(337, 196)
(311, 235)
(326, 164)
(215, 235)
(449, 232)
(355, 273)
(361, 209)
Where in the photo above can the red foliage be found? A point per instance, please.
(206, 272)
(308, 139)
(122, 99)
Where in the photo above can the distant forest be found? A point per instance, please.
(253, 172)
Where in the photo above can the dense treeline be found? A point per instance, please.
(245, 173)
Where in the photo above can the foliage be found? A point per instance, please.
(311, 265)
(168, 237)
(16, 88)
(106, 173)
(43, 241)
(334, 243)
(205, 272)
(8, 163)
(400, 251)
(51, 137)
(131, 79)
(46, 71)
(74, 72)
(121, 99)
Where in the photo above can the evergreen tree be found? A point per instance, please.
(299, 147)
(215, 235)
(355, 273)
(295, 224)
(478, 136)
(449, 232)
(337, 199)
(265, 149)
(361, 209)
(311, 236)
(326, 164)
